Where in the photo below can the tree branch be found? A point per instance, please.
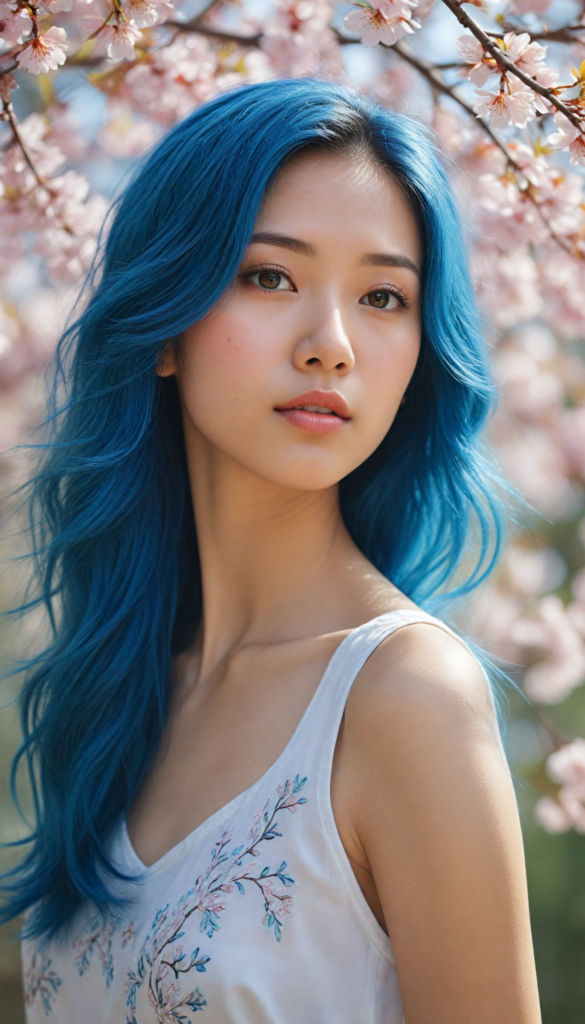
(216, 33)
(435, 80)
(507, 65)
(9, 117)
(433, 77)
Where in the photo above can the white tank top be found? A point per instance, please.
(255, 918)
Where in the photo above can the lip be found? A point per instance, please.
(316, 422)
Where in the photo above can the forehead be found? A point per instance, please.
(346, 199)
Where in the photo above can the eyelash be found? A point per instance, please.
(252, 271)
(392, 289)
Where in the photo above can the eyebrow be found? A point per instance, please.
(386, 259)
(371, 259)
(285, 242)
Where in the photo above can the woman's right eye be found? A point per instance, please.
(271, 281)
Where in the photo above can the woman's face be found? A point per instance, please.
(299, 370)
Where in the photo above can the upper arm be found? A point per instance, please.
(432, 804)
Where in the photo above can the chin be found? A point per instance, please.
(304, 474)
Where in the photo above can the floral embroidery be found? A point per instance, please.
(97, 937)
(163, 958)
(40, 980)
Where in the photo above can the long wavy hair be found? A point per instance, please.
(114, 538)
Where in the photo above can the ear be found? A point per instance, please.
(167, 364)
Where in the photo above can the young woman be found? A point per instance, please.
(270, 787)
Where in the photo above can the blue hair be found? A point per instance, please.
(115, 546)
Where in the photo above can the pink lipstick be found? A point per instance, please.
(317, 412)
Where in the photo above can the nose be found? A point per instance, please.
(326, 347)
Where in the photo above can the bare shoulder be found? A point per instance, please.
(423, 673)
(420, 727)
(427, 813)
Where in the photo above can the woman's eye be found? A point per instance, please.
(271, 280)
(381, 298)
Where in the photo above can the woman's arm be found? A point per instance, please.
(433, 812)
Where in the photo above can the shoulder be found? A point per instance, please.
(425, 671)
(420, 726)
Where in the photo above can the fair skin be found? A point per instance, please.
(421, 793)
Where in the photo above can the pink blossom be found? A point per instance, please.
(567, 765)
(382, 21)
(531, 571)
(57, 5)
(551, 816)
(547, 76)
(526, 6)
(140, 12)
(548, 632)
(568, 137)
(473, 52)
(13, 23)
(572, 804)
(298, 39)
(45, 53)
(527, 56)
(125, 136)
(504, 108)
(512, 276)
(120, 41)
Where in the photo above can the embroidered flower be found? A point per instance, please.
(163, 957)
(40, 980)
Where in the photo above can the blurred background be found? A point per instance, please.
(71, 132)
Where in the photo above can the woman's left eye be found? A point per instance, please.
(380, 298)
(270, 281)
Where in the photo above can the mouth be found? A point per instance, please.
(317, 412)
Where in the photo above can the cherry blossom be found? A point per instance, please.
(298, 39)
(530, 6)
(143, 13)
(525, 207)
(45, 53)
(515, 105)
(58, 5)
(568, 137)
(552, 817)
(382, 21)
(473, 52)
(526, 55)
(14, 23)
(567, 767)
(120, 40)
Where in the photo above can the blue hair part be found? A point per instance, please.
(115, 544)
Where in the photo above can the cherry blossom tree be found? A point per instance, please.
(503, 86)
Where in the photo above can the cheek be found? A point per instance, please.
(386, 371)
(223, 365)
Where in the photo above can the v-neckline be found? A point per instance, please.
(224, 812)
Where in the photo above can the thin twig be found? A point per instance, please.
(216, 33)
(507, 65)
(8, 115)
(556, 35)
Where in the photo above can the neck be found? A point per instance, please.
(274, 561)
